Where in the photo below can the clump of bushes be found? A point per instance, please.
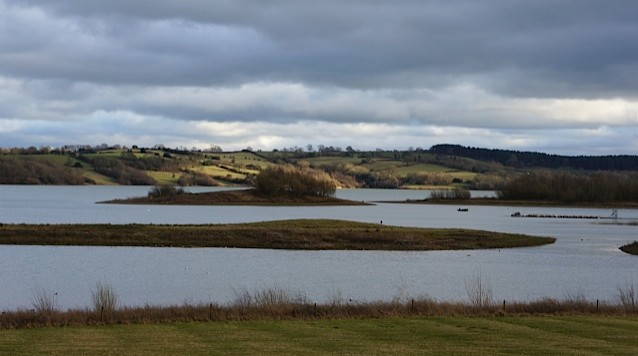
(164, 190)
(290, 180)
(33, 170)
(453, 194)
(118, 170)
(599, 187)
(196, 178)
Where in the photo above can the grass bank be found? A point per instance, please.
(288, 234)
(487, 335)
(631, 248)
(235, 197)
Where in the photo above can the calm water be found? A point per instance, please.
(584, 261)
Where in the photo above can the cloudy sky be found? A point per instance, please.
(557, 76)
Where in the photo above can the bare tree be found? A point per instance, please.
(104, 299)
(627, 297)
(479, 291)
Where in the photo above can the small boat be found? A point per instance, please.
(462, 209)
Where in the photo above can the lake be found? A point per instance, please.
(585, 260)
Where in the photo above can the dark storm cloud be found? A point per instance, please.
(495, 72)
(525, 48)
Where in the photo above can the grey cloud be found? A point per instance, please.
(567, 48)
(508, 72)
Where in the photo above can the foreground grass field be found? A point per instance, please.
(536, 335)
(289, 234)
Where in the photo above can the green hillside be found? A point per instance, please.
(441, 167)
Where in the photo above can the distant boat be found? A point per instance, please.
(462, 209)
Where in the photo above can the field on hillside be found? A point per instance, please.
(157, 166)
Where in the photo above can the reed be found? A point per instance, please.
(479, 291)
(279, 304)
(104, 300)
(627, 297)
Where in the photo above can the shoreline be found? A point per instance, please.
(522, 203)
(282, 305)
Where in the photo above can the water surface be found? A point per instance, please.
(585, 260)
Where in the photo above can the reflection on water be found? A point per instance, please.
(584, 260)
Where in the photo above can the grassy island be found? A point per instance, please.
(235, 197)
(631, 248)
(289, 234)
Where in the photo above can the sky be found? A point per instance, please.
(557, 76)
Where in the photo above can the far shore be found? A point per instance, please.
(504, 202)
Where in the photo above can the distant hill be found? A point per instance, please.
(441, 167)
(535, 159)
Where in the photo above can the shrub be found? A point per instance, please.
(479, 291)
(290, 180)
(457, 193)
(164, 190)
(44, 301)
(104, 299)
(196, 178)
(628, 298)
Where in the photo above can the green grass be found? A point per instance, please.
(289, 234)
(421, 167)
(164, 177)
(549, 335)
(330, 160)
(218, 172)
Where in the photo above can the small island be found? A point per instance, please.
(234, 197)
(631, 248)
(288, 234)
(281, 185)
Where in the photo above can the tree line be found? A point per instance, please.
(519, 159)
(599, 187)
(35, 170)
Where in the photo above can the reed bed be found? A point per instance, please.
(280, 305)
